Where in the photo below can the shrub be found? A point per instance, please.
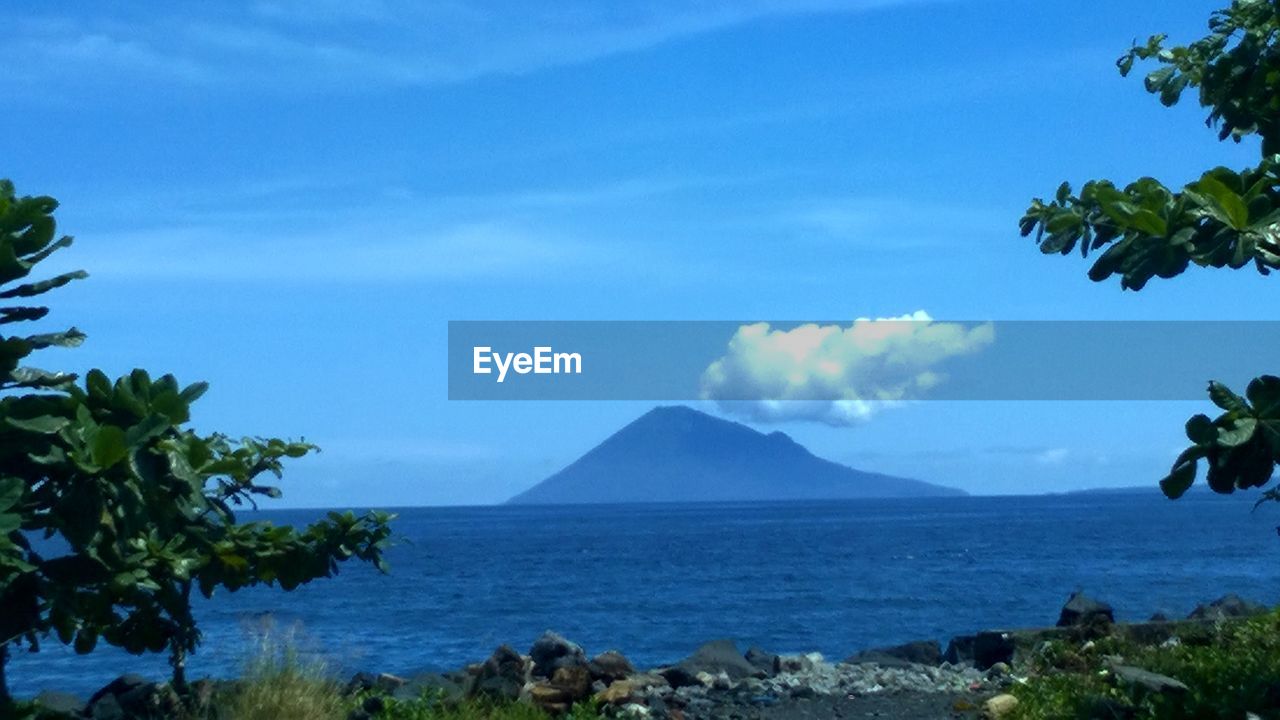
(1233, 672)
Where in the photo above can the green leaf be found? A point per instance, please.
(109, 446)
(37, 288)
(1222, 396)
(1234, 212)
(44, 424)
(11, 491)
(9, 522)
(1201, 430)
(1240, 432)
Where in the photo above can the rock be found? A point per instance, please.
(133, 696)
(106, 708)
(999, 670)
(1152, 682)
(1227, 606)
(764, 661)
(121, 685)
(633, 711)
(924, 652)
(678, 677)
(574, 681)
(1084, 610)
(609, 666)
(1000, 706)
(721, 656)
(1158, 617)
(618, 693)
(503, 675)
(56, 704)
(384, 683)
(551, 652)
(799, 663)
(549, 699)
(982, 650)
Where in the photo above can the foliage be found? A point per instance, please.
(132, 508)
(1232, 671)
(1226, 218)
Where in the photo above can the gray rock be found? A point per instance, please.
(721, 656)
(764, 661)
(679, 677)
(120, 686)
(609, 666)
(106, 708)
(1227, 606)
(924, 652)
(980, 651)
(1083, 610)
(1153, 682)
(552, 652)
(503, 675)
(60, 704)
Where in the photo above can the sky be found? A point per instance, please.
(291, 200)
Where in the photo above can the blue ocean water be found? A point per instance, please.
(655, 581)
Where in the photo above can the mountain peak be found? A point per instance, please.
(674, 453)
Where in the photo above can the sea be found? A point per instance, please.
(655, 581)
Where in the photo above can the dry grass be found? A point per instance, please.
(281, 682)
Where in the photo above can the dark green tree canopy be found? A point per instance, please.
(140, 507)
(1226, 218)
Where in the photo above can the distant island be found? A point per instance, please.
(678, 454)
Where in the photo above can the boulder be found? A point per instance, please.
(678, 677)
(1000, 706)
(764, 661)
(1151, 682)
(120, 686)
(133, 696)
(609, 666)
(924, 652)
(1084, 610)
(503, 675)
(619, 692)
(56, 704)
(384, 683)
(550, 699)
(721, 656)
(982, 650)
(574, 681)
(1227, 606)
(552, 651)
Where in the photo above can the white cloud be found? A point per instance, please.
(1053, 456)
(398, 42)
(833, 374)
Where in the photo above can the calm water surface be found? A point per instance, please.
(654, 581)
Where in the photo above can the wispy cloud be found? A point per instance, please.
(350, 253)
(294, 44)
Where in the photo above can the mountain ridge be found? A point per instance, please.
(674, 453)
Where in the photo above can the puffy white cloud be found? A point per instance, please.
(834, 374)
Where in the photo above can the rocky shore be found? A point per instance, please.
(721, 681)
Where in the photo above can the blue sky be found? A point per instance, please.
(290, 200)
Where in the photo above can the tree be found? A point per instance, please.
(112, 510)
(1225, 219)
